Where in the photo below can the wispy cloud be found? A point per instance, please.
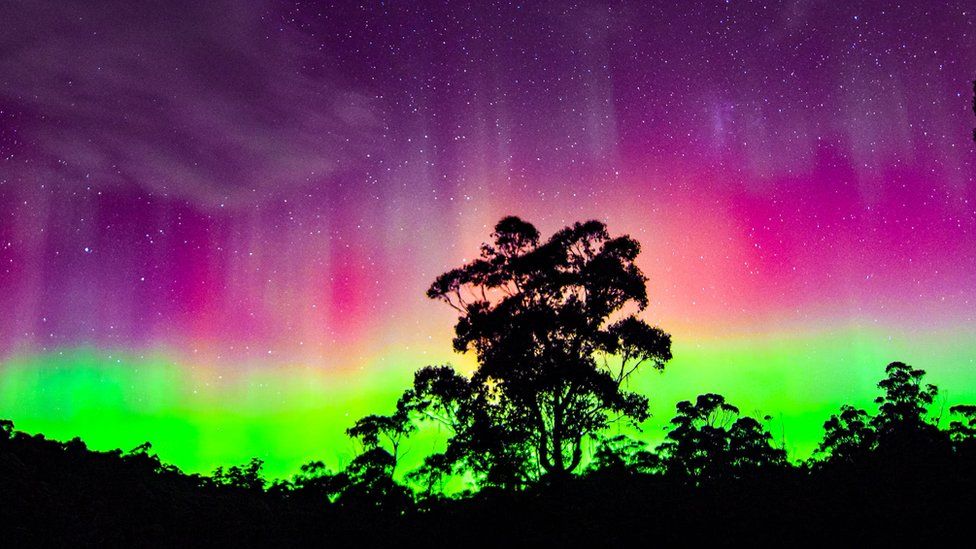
(207, 101)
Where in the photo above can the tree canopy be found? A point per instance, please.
(902, 427)
(555, 329)
(710, 441)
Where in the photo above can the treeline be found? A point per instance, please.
(558, 331)
(891, 474)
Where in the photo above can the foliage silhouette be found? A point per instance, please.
(367, 484)
(901, 431)
(964, 428)
(962, 431)
(848, 436)
(368, 481)
(313, 486)
(555, 330)
(902, 423)
(710, 442)
(382, 436)
(622, 454)
(246, 477)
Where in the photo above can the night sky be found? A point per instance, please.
(218, 220)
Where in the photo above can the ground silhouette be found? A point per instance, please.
(888, 476)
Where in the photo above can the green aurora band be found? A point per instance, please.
(197, 419)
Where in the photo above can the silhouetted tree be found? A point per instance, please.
(368, 481)
(902, 423)
(709, 441)
(554, 328)
(386, 433)
(143, 457)
(311, 473)
(964, 427)
(900, 429)
(962, 430)
(698, 438)
(367, 484)
(848, 436)
(314, 485)
(905, 401)
(751, 451)
(247, 476)
(623, 454)
(431, 476)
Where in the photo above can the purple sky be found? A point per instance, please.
(263, 177)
